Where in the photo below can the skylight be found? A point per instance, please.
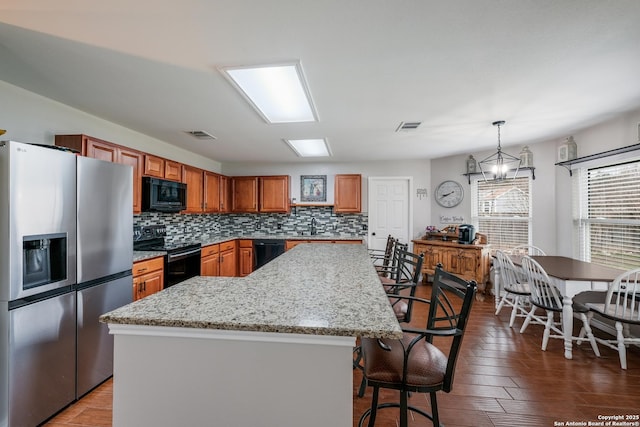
(278, 92)
(309, 147)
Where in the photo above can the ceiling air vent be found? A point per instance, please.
(407, 126)
(200, 134)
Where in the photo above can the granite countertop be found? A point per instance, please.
(311, 289)
(144, 255)
(213, 239)
(219, 238)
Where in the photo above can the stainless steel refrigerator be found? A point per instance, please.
(63, 262)
(104, 261)
(37, 274)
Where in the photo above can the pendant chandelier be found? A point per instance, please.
(496, 166)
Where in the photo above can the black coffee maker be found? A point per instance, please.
(466, 234)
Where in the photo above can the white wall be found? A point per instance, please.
(29, 117)
(619, 132)
(418, 169)
(551, 190)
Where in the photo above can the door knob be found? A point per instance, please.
(373, 234)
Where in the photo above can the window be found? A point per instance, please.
(502, 211)
(607, 214)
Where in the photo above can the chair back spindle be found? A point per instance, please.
(623, 297)
(543, 292)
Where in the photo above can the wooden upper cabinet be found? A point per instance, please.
(211, 192)
(348, 189)
(193, 177)
(244, 194)
(134, 158)
(104, 150)
(162, 168)
(260, 194)
(274, 193)
(153, 166)
(172, 170)
(225, 194)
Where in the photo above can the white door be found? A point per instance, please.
(390, 210)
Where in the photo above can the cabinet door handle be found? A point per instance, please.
(141, 270)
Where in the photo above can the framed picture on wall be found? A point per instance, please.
(313, 188)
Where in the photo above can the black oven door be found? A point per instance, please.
(180, 266)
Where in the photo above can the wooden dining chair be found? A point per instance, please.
(526, 250)
(545, 295)
(516, 290)
(415, 363)
(621, 305)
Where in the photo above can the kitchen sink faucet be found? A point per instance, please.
(313, 226)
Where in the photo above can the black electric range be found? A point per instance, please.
(183, 257)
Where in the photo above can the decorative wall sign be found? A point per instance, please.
(313, 188)
(451, 219)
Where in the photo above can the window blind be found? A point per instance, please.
(502, 211)
(608, 215)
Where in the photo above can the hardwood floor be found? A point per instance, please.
(502, 379)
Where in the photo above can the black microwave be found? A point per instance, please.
(160, 195)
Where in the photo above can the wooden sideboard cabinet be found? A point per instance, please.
(471, 262)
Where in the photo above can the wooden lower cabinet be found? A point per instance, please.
(148, 277)
(293, 243)
(219, 260)
(471, 262)
(209, 262)
(228, 262)
(245, 258)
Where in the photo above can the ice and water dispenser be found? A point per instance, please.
(44, 259)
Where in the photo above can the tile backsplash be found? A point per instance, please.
(328, 223)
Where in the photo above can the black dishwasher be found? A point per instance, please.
(264, 250)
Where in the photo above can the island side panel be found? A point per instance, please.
(169, 381)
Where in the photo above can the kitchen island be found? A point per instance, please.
(270, 349)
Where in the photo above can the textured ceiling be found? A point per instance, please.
(549, 68)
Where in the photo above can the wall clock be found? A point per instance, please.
(449, 194)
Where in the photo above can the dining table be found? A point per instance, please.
(572, 276)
